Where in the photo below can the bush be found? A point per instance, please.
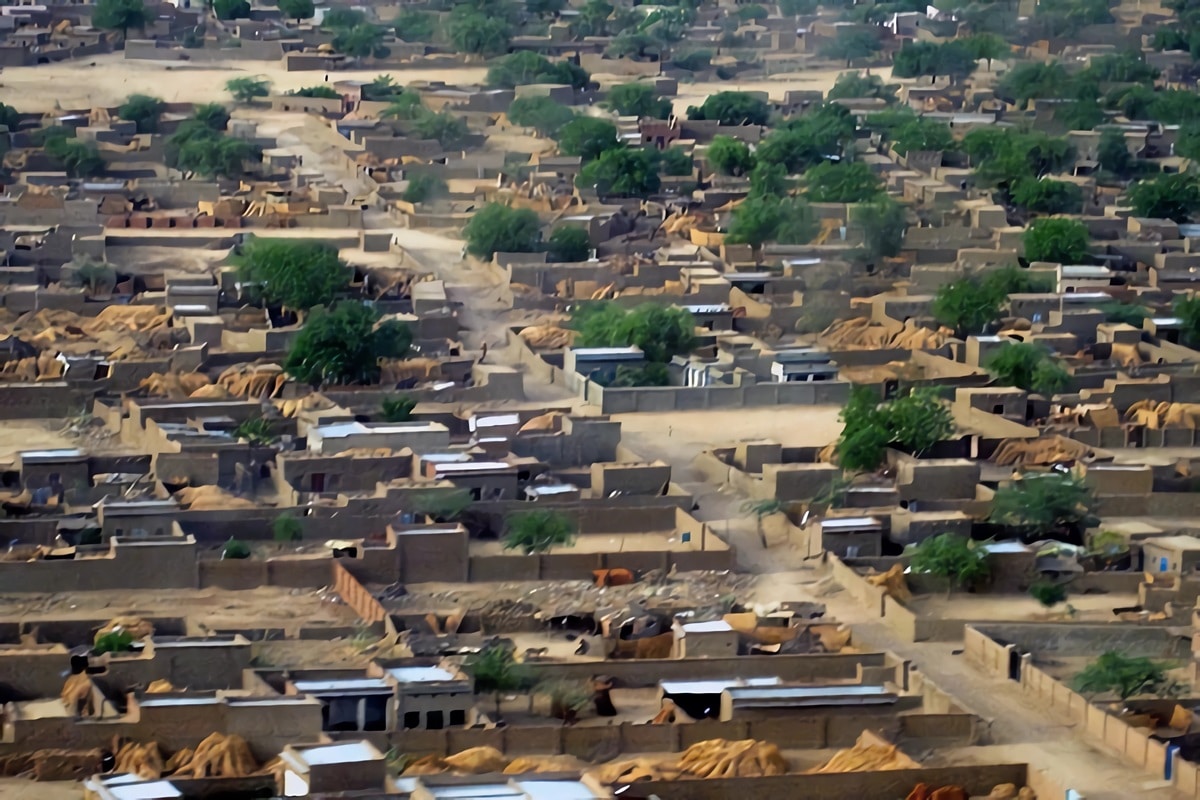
(956, 558)
(293, 273)
(544, 115)
(1126, 676)
(534, 532)
(1050, 505)
(235, 549)
(246, 90)
(115, 641)
(397, 409)
(343, 345)
(661, 332)
(638, 100)
(425, 186)
(587, 137)
(286, 528)
(1048, 593)
(499, 228)
(1057, 240)
(257, 431)
(732, 108)
(1029, 366)
(322, 91)
(622, 172)
(568, 243)
(729, 156)
(142, 110)
(916, 421)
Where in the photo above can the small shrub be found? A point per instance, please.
(1048, 593)
(397, 409)
(235, 549)
(286, 528)
(118, 641)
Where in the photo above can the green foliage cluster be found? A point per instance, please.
(732, 108)
(970, 304)
(922, 134)
(344, 344)
(525, 67)
(397, 408)
(1028, 366)
(1057, 240)
(293, 273)
(246, 89)
(956, 558)
(1044, 505)
(497, 228)
(534, 532)
(915, 421)
(855, 85)
(199, 147)
(120, 15)
(648, 374)
(637, 100)
(541, 113)
(1173, 196)
(231, 9)
(568, 243)
(9, 117)
(955, 58)
(768, 217)
(422, 187)
(257, 431)
(1187, 311)
(806, 141)
(676, 161)
(297, 9)
(235, 549)
(1126, 677)
(114, 641)
(321, 90)
(841, 182)
(143, 110)
(286, 528)
(661, 332)
(1048, 593)
(496, 670)
(415, 26)
(851, 44)
(1047, 196)
(883, 221)
(473, 30)
(729, 156)
(79, 159)
(622, 172)
(587, 137)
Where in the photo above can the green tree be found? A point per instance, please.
(286, 528)
(79, 159)
(676, 161)
(361, 41)
(1126, 676)
(884, 221)
(851, 44)
(1187, 311)
(1048, 593)
(650, 373)
(638, 100)
(841, 182)
(955, 59)
(143, 110)
(545, 8)
(1113, 153)
(988, 46)
(293, 273)
(568, 243)
(922, 135)
(1170, 196)
(1057, 240)
(246, 90)
(336, 18)
(797, 8)
(212, 115)
(404, 106)
(695, 61)
(498, 228)
(535, 532)
(1047, 196)
(865, 435)
(526, 67)
(541, 113)
(587, 137)
(256, 431)
(9, 117)
(496, 672)
(763, 508)
(1045, 505)
(343, 345)
(321, 90)
(120, 15)
(1025, 82)
(231, 9)
(114, 641)
(214, 155)
(661, 332)
(855, 85)
(297, 9)
(1128, 67)
(449, 131)
(802, 143)
(957, 559)
(732, 108)
(476, 33)
(1029, 366)
(762, 218)
(415, 26)
(752, 12)
(397, 408)
(1127, 313)
(967, 305)
(729, 156)
(422, 187)
(918, 420)
(769, 179)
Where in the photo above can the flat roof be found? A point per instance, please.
(852, 694)
(556, 790)
(138, 789)
(344, 753)
(341, 685)
(713, 626)
(715, 686)
(421, 674)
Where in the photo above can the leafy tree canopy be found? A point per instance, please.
(9, 117)
(231, 9)
(477, 33)
(1048, 196)
(321, 90)
(1170, 196)
(245, 90)
(676, 161)
(851, 44)
(1029, 366)
(762, 218)
(807, 141)
(1187, 310)
(1045, 505)
(587, 137)
(291, 272)
(425, 186)
(211, 115)
(343, 345)
(541, 113)
(955, 58)
(143, 110)
(498, 228)
(732, 108)
(956, 558)
(415, 26)
(215, 156)
(1057, 240)
(450, 131)
(661, 332)
(638, 100)
(922, 134)
(855, 85)
(526, 67)
(361, 41)
(622, 172)
(883, 221)
(534, 532)
(568, 243)
(1126, 676)
(841, 182)
(336, 18)
(915, 421)
(79, 159)
(120, 15)
(297, 9)
(729, 156)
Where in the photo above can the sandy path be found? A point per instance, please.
(109, 79)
